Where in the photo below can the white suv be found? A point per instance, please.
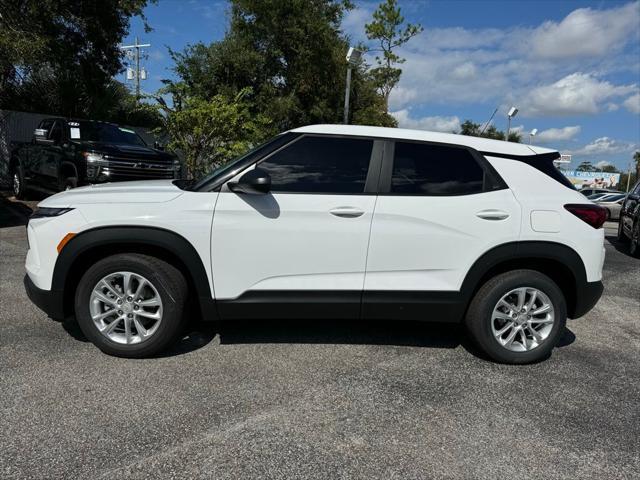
(329, 221)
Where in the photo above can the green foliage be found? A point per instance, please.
(388, 31)
(608, 168)
(210, 132)
(475, 130)
(586, 166)
(59, 56)
(281, 65)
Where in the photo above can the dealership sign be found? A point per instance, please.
(592, 179)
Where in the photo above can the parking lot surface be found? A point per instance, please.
(317, 400)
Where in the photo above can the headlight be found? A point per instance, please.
(93, 157)
(44, 212)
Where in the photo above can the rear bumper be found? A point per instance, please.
(49, 301)
(586, 298)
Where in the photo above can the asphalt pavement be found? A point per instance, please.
(317, 400)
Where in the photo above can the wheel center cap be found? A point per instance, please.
(127, 307)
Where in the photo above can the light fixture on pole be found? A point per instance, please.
(353, 58)
(513, 111)
(532, 133)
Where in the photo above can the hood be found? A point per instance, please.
(146, 191)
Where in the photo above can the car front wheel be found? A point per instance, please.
(18, 184)
(517, 317)
(634, 244)
(131, 305)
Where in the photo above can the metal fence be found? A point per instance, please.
(19, 127)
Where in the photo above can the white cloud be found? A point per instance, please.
(460, 66)
(633, 103)
(558, 134)
(434, 124)
(575, 94)
(605, 146)
(586, 32)
(603, 163)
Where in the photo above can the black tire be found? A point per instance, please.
(634, 243)
(478, 319)
(18, 185)
(67, 183)
(622, 238)
(168, 281)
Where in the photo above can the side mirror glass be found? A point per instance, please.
(255, 182)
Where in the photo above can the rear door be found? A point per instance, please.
(439, 209)
(300, 250)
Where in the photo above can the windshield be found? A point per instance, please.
(104, 132)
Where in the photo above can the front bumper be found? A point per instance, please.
(586, 298)
(49, 301)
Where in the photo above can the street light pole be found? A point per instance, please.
(353, 57)
(513, 111)
(532, 133)
(347, 92)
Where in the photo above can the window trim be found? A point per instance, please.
(492, 180)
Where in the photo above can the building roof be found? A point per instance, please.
(478, 143)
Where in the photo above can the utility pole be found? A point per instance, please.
(353, 57)
(136, 74)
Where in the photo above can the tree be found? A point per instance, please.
(209, 132)
(387, 29)
(60, 56)
(586, 166)
(475, 130)
(608, 168)
(636, 159)
(295, 69)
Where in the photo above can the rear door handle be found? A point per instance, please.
(492, 215)
(346, 212)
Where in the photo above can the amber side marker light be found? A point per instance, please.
(64, 241)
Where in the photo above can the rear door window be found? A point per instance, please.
(425, 169)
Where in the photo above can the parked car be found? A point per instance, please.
(68, 153)
(591, 191)
(613, 208)
(609, 197)
(629, 223)
(596, 196)
(329, 221)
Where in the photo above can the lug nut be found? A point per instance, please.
(119, 301)
(119, 312)
(129, 315)
(136, 307)
(129, 299)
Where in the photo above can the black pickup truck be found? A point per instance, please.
(68, 153)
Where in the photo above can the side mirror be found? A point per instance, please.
(256, 182)
(158, 146)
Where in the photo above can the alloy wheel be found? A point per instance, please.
(126, 307)
(522, 319)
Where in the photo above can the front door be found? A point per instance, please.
(300, 250)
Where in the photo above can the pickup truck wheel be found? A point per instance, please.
(18, 184)
(131, 305)
(517, 317)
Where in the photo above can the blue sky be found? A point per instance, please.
(571, 67)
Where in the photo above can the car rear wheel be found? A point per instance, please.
(131, 305)
(517, 317)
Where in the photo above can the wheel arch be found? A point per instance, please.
(92, 245)
(67, 167)
(559, 262)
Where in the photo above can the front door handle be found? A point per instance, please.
(492, 215)
(346, 212)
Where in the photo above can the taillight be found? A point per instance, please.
(594, 215)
